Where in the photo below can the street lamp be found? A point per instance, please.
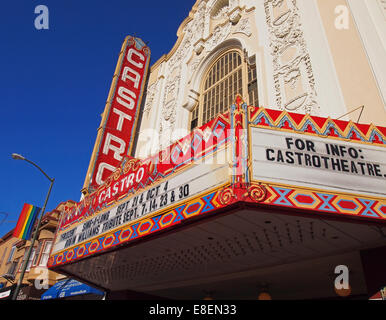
(17, 156)
(25, 263)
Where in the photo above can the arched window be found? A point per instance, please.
(228, 76)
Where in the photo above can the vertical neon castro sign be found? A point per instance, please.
(115, 138)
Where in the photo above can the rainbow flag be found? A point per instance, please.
(26, 221)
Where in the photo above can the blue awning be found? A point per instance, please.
(69, 288)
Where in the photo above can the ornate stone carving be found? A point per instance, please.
(199, 46)
(220, 33)
(382, 4)
(198, 24)
(293, 75)
(244, 27)
(183, 49)
(171, 93)
(235, 16)
(192, 42)
(169, 106)
(150, 94)
(220, 9)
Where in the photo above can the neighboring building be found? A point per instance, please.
(13, 252)
(206, 206)
(7, 254)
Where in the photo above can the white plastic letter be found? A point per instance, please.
(127, 76)
(117, 150)
(140, 174)
(101, 168)
(138, 54)
(122, 117)
(127, 95)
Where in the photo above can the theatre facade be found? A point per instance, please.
(249, 158)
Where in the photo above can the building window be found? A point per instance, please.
(222, 83)
(12, 268)
(29, 260)
(22, 260)
(228, 76)
(35, 261)
(45, 254)
(11, 254)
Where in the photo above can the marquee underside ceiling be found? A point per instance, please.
(234, 253)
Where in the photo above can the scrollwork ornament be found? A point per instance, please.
(87, 200)
(146, 51)
(130, 41)
(132, 164)
(164, 154)
(226, 196)
(285, 32)
(151, 169)
(108, 181)
(257, 193)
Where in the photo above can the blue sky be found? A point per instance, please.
(54, 84)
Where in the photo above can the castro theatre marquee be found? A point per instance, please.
(249, 197)
(250, 157)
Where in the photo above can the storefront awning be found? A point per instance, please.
(6, 293)
(380, 295)
(69, 288)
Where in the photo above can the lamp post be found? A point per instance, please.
(25, 263)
